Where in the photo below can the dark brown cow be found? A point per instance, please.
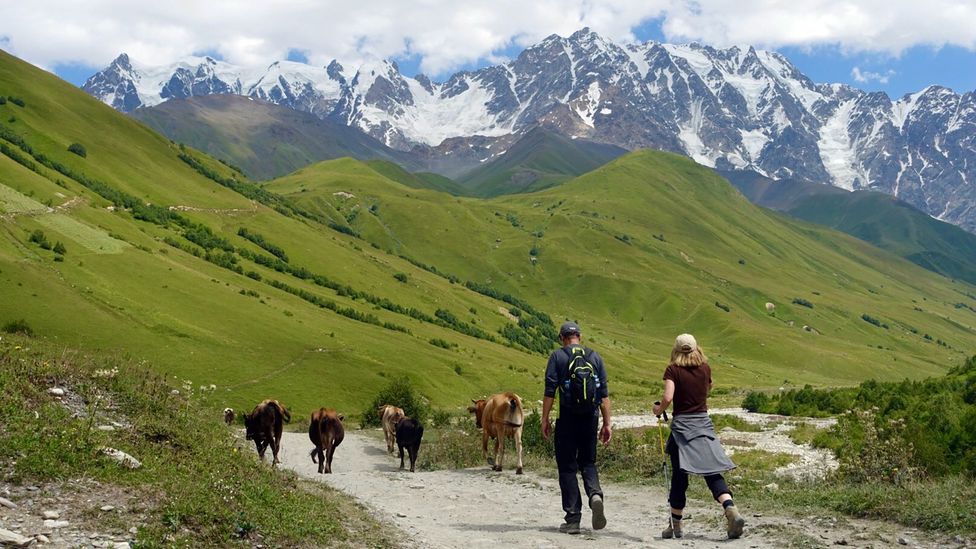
(264, 426)
(389, 417)
(409, 432)
(500, 417)
(326, 433)
(229, 415)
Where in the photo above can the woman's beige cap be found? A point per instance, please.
(685, 343)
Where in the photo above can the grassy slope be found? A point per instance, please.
(874, 217)
(538, 160)
(422, 180)
(264, 139)
(194, 485)
(186, 316)
(632, 297)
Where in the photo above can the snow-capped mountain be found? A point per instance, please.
(728, 108)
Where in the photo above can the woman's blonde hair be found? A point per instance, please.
(695, 357)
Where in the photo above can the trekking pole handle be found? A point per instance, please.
(665, 412)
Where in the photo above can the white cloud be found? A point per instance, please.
(445, 34)
(867, 76)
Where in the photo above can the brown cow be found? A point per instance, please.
(500, 417)
(389, 416)
(229, 415)
(264, 425)
(326, 433)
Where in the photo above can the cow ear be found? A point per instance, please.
(342, 417)
(475, 401)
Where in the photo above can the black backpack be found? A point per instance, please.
(580, 390)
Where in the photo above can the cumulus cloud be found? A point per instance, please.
(868, 76)
(445, 34)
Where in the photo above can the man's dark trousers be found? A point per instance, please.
(576, 453)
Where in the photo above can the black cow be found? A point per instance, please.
(409, 431)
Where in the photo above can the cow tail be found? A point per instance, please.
(313, 454)
(283, 411)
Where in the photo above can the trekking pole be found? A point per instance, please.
(664, 462)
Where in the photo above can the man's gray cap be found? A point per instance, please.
(569, 328)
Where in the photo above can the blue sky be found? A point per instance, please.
(896, 46)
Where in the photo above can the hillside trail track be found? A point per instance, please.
(476, 508)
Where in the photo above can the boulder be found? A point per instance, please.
(123, 458)
(11, 539)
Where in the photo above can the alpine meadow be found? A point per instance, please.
(203, 249)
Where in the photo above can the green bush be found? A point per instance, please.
(402, 277)
(59, 248)
(802, 302)
(17, 101)
(871, 320)
(18, 327)
(78, 149)
(440, 418)
(437, 342)
(399, 393)
(3, 100)
(723, 306)
(755, 401)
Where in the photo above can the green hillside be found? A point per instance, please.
(539, 159)
(321, 296)
(651, 245)
(263, 139)
(874, 217)
(420, 180)
(146, 273)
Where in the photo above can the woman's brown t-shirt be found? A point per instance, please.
(691, 384)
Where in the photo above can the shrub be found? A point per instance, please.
(402, 277)
(873, 453)
(38, 237)
(3, 100)
(440, 418)
(59, 248)
(18, 327)
(17, 101)
(437, 342)
(399, 393)
(723, 306)
(871, 320)
(78, 149)
(755, 401)
(802, 302)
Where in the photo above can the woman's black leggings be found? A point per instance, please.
(679, 482)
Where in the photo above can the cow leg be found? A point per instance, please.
(328, 464)
(275, 444)
(413, 455)
(484, 448)
(261, 447)
(401, 457)
(518, 449)
(499, 452)
(321, 456)
(389, 440)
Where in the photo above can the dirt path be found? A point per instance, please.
(474, 508)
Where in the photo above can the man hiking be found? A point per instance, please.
(577, 374)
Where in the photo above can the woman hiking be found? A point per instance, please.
(693, 446)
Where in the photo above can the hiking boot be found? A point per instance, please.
(735, 522)
(599, 519)
(673, 530)
(569, 528)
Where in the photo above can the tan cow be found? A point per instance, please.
(500, 416)
(389, 416)
(264, 425)
(326, 433)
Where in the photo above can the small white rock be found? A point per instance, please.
(121, 545)
(56, 391)
(13, 539)
(7, 503)
(106, 428)
(123, 458)
(401, 515)
(107, 508)
(133, 530)
(53, 515)
(55, 524)
(41, 538)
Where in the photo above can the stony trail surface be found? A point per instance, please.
(475, 508)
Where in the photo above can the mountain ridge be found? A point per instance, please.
(735, 108)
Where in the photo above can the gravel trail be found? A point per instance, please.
(475, 508)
